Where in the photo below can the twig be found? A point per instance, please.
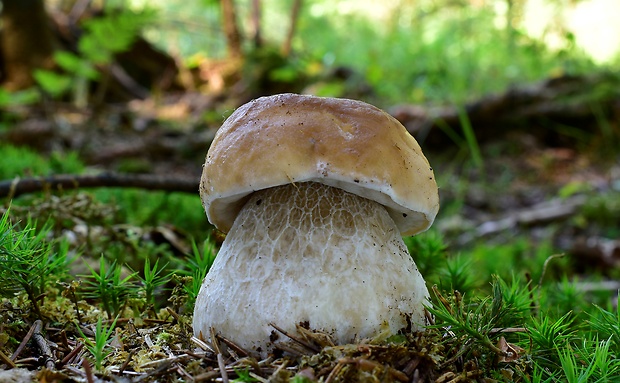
(42, 344)
(78, 9)
(127, 82)
(507, 330)
(16, 187)
(294, 17)
(291, 350)
(173, 314)
(88, 371)
(281, 367)
(184, 373)
(209, 375)
(163, 367)
(258, 377)
(429, 317)
(295, 339)
(165, 361)
(232, 345)
(202, 344)
(335, 371)
(126, 363)
(465, 377)
(214, 342)
(545, 265)
(222, 366)
(411, 366)
(6, 360)
(23, 343)
(72, 354)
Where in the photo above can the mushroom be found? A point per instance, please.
(314, 194)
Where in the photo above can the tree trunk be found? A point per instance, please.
(27, 42)
(231, 28)
(286, 46)
(255, 22)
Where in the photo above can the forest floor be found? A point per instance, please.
(524, 187)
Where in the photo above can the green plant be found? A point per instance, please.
(519, 255)
(28, 262)
(517, 301)
(608, 131)
(23, 161)
(433, 51)
(429, 253)
(107, 286)
(470, 139)
(565, 296)
(153, 278)
(547, 335)
(476, 319)
(592, 361)
(103, 37)
(300, 379)
(243, 376)
(197, 268)
(603, 209)
(97, 348)
(606, 324)
(18, 98)
(56, 84)
(458, 274)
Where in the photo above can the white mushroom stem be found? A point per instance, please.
(310, 253)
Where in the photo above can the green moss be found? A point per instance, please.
(21, 161)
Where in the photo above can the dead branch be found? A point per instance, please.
(544, 212)
(17, 187)
(567, 99)
(44, 347)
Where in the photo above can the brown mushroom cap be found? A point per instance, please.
(290, 138)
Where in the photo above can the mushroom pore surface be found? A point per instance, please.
(308, 252)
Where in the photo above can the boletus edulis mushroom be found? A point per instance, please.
(314, 194)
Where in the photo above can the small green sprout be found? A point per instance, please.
(108, 287)
(199, 266)
(154, 277)
(243, 376)
(98, 347)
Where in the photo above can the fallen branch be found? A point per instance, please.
(19, 186)
(540, 213)
(548, 211)
(568, 99)
(43, 346)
